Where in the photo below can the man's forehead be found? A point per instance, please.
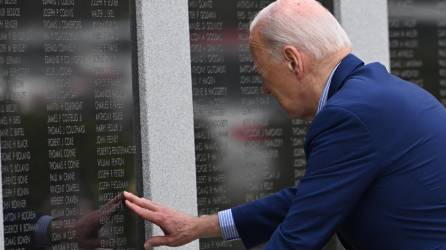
(255, 44)
(255, 41)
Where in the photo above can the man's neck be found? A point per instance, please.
(321, 75)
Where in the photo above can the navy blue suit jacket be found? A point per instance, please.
(376, 171)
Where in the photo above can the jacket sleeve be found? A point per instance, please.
(341, 166)
(257, 220)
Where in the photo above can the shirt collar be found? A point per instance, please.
(323, 98)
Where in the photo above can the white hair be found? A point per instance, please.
(317, 35)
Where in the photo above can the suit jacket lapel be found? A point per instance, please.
(345, 69)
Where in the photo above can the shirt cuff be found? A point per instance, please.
(41, 234)
(227, 225)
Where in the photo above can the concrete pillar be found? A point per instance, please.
(366, 22)
(167, 135)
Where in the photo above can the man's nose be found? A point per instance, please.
(265, 90)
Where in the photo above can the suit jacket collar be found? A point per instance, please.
(345, 69)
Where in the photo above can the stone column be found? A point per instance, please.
(366, 22)
(167, 130)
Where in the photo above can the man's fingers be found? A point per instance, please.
(141, 201)
(157, 241)
(143, 213)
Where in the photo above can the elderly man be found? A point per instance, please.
(376, 171)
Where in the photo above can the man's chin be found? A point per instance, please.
(301, 116)
(293, 116)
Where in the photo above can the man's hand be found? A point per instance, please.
(179, 228)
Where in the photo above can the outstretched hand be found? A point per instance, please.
(179, 228)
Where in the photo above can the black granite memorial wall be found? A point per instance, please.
(246, 146)
(69, 124)
(417, 30)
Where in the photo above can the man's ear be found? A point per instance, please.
(293, 58)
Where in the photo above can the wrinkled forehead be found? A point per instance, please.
(259, 53)
(256, 43)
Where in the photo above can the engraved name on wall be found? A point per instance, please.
(68, 126)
